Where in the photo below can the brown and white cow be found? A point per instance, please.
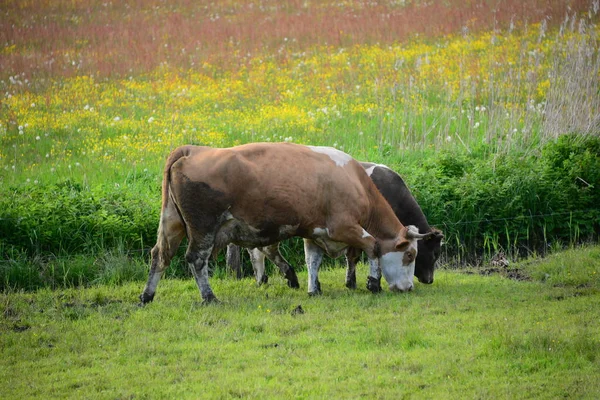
(258, 194)
(394, 190)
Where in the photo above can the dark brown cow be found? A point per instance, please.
(258, 194)
(394, 190)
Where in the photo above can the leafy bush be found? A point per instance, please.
(67, 218)
(519, 202)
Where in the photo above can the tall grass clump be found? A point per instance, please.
(572, 101)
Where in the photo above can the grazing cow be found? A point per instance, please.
(394, 190)
(258, 194)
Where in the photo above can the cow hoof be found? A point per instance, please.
(211, 299)
(315, 293)
(373, 285)
(351, 284)
(293, 284)
(146, 298)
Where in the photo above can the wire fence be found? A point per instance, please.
(444, 224)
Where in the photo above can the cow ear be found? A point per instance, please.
(402, 244)
(435, 234)
(438, 234)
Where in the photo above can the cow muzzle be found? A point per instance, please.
(401, 287)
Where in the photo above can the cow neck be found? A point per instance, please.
(382, 223)
(405, 206)
(409, 211)
(422, 224)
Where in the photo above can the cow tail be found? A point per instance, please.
(166, 183)
(178, 153)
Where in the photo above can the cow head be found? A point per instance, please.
(397, 259)
(429, 252)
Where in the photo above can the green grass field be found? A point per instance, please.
(490, 112)
(469, 335)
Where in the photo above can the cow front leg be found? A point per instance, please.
(197, 259)
(273, 254)
(313, 255)
(374, 278)
(358, 238)
(257, 258)
(352, 256)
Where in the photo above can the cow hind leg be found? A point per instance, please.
(314, 256)
(234, 261)
(352, 255)
(197, 256)
(273, 254)
(171, 231)
(257, 258)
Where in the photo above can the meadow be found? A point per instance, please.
(490, 112)
(472, 334)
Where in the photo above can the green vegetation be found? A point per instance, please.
(491, 114)
(513, 203)
(466, 336)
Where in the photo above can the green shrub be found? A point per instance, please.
(483, 201)
(518, 202)
(67, 218)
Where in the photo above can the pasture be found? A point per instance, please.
(472, 334)
(490, 113)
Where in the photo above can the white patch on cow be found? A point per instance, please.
(320, 232)
(370, 170)
(313, 255)
(257, 258)
(365, 234)
(338, 157)
(398, 276)
(374, 269)
(413, 229)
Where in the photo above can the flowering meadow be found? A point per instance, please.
(376, 102)
(435, 92)
(489, 110)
